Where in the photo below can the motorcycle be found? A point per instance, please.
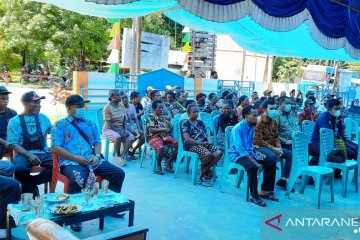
(4, 74)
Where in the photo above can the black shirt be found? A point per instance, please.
(4, 120)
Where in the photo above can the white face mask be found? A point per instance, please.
(337, 113)
(79, 113)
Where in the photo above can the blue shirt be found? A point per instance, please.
(241, 141)
(15, 134)
(326, 120)
(65, 135)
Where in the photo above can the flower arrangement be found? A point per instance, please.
(90, 181)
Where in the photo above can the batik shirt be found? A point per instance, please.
(65, 135)
(196, 131)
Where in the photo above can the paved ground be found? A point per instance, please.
(174, 209)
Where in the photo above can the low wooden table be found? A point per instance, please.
(99, 208)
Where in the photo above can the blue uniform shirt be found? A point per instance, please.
(65, 135)
(241, 141)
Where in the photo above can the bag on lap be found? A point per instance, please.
(336, 156)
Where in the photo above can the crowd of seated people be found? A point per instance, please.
(262, 135)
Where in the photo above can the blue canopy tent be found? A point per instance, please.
(322, 29)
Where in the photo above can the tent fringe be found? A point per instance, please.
(331, 43)
(216, 12)
(276, 23)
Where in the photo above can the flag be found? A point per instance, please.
(186, 38)
(115, 31)
(187, 47)
(115, 43)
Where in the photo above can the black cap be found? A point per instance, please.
(75, 100)
(30, 96)
(3, 90)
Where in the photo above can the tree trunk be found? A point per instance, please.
(23, 55)
(82, 57)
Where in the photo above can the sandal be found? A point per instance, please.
(270, 196)
(169, 169)
(159, 172)
(258, 202)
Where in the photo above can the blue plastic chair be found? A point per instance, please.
(100, 123)
(208, 121)
(215, 113)
(308, 128)
(351, 128)
(326, 146)
(241, 174)
(300, 166)
(144, 119)
(188, 156)
(355, 117)
(215, 124)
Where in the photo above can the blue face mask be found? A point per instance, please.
(272, 113)
(79, 113)
(287, 108)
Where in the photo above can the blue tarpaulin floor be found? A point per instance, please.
(172, 208)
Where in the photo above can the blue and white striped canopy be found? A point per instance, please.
(321, 29)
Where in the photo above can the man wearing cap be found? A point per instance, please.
(5, 115)
(147, 100)
(311, 95)
(26, 135)
(76, 140)
(115, 127)
(267, 93)
(308, 113)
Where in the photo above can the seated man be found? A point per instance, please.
(9, 193)
(308, 113)
(5, 115)
(331, 120)
(115, 128)
(287, 122)
(266, 140)
(76, 140)
(146, 100)
(227, 118)
(241, 151)
(212, 104)
(26, 135)
(195, 140)
(159, 135)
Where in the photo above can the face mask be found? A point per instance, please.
(246, 103)
(337, 113)
(287, 108)
(79, 113)
(272, 114)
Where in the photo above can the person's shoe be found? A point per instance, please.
(118, 215)
(36, 192)
(122, 162)
(131, 152)
(76, 227)
(337, 174)
(282, 184)
(311, 181)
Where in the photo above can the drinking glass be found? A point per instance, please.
(87, 194)
(26, 201)
(104, 186)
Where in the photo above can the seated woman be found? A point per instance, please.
(354, 109)
(243, 102)
(159, 129)
(174, 106)
(227, 118)
(195, 140)
(133, 126)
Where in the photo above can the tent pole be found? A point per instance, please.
(138, 45)
(133, 46)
